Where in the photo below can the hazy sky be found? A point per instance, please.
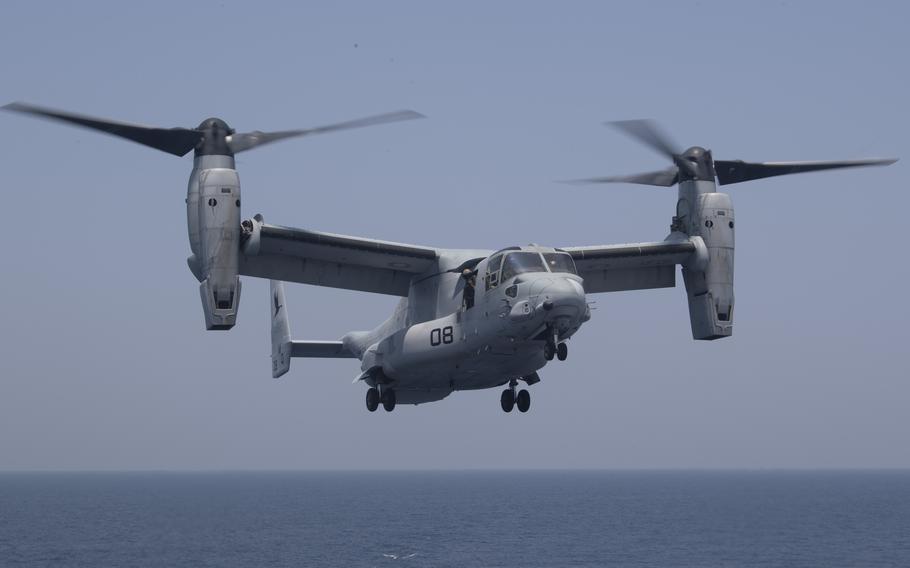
(104, 361)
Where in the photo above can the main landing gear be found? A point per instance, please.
(509, 399)
(374, 399)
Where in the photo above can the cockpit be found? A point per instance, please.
(507, 264)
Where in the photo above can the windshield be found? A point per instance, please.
(559, 262)
(520, 262)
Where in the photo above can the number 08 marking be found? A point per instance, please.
(439, 336)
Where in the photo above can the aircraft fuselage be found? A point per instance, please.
(500, 338)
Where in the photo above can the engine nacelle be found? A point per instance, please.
(709, 278)
(216, 243)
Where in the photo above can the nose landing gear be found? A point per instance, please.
(554, 348)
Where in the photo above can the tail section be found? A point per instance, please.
(281, 331)
(283, 347)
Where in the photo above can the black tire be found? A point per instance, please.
(388, 400)
(372, 399)
(507, 400)
(523, 400)
(562, 351)
(548, 351)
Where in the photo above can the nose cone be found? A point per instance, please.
(562, 301)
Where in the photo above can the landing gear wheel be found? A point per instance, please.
(548, 351)
(507, 400)
(562, 351)
(523, 400)
(388, 399)
(372, 399)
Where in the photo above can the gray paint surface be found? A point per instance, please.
(103, 360)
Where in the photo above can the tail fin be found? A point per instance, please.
(281, 331)
(283, 348)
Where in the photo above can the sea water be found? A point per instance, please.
(470, 518)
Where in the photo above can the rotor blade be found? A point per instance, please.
(735, 171)
(466, 265)
(247, 140)
(177, 141)
(648, 133)
(662, 178)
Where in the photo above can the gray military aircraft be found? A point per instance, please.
(467, 319)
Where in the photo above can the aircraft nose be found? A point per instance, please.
(563, 298)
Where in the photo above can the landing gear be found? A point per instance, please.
(553, 347)
(510, 400)
(372, 399)
(561, 351)
(523, 400)
(507, 400)
(388, 399)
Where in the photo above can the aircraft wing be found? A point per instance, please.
(336, 261)
(636, 266)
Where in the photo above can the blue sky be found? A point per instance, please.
(104, 361)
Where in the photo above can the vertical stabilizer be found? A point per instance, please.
(281, 331)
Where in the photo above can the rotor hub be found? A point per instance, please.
(214, 142)
(695, 163)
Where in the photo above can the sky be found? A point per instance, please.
(104, 360)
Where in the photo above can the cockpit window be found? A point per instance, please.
(521, 262)
(492, 277)
(559, 262)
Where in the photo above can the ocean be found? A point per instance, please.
(470, 518)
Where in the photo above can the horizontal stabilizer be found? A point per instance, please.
(284, 348)
(328, 349)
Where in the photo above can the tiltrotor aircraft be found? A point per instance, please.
(467, 319)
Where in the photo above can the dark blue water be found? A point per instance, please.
(456, 519)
